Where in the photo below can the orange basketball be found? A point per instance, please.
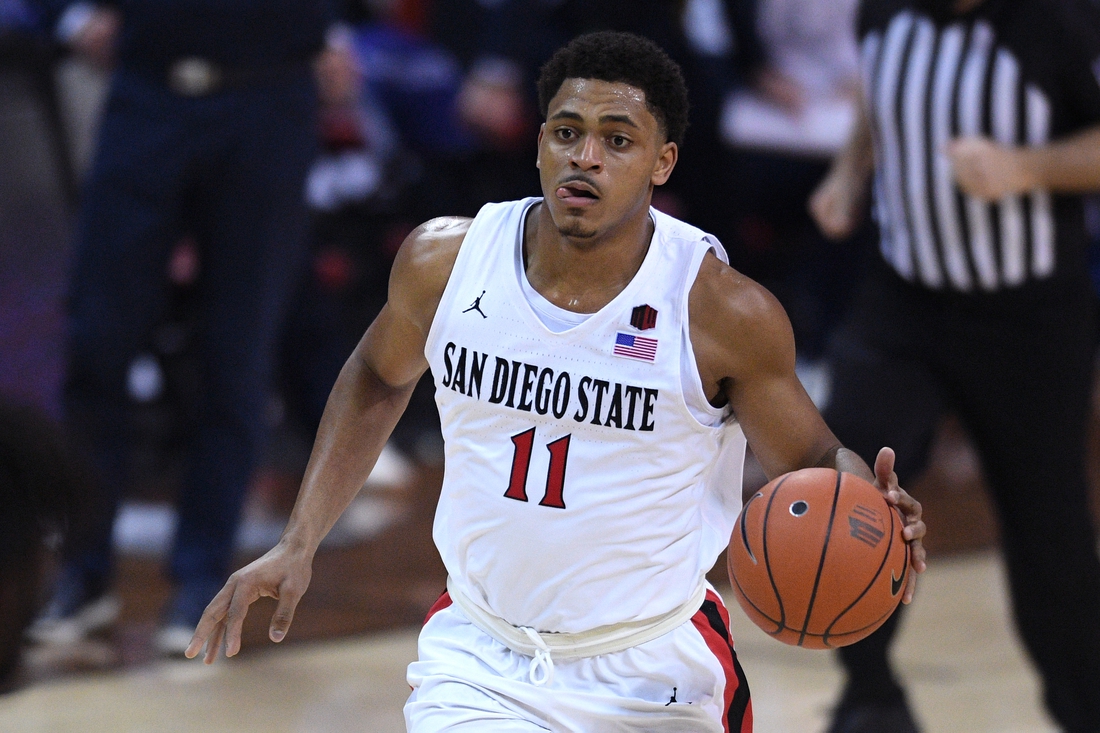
(817, 559)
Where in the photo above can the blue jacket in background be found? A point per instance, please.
(233, 33)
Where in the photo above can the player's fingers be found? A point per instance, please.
(234, 619)
(284, 613)
(914, 530)
(909, 507)
(211, 618)
(884, 469)
(910, 589)
(214, 644)
(918, 558)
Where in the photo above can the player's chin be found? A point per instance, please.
(575, 223)
(577, 230)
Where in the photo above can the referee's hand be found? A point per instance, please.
(988, 170)
(837, 205)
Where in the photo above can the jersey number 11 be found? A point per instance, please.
(521, 463)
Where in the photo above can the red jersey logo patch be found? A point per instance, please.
(643, 317)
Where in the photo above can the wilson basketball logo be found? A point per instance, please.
(866, 525)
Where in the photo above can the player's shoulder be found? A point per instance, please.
(435, 235)
(726, 297)
(432, 246)
(424, 262)
(737, 326)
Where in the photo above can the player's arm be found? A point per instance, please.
(368, 398)
(744, 347)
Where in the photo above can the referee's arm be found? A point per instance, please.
(990, 171)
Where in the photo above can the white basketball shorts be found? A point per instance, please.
(687, 680)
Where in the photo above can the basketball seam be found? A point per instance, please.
(737, 583)
(821, 563)
(823, 637)
(757, 608)
(782, 621)
(744, 531)
(871, 584)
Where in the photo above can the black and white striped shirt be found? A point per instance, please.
(1021, 72)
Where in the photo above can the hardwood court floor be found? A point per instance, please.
(965, 670)
(342, 668)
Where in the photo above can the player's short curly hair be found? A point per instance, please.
(622, 57)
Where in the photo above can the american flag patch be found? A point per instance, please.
(635, 347)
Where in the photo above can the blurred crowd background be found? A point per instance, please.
(426, 108)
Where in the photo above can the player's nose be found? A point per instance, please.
(587, 155)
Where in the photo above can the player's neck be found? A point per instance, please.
(583, 274)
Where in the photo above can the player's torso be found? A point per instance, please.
(576, 478)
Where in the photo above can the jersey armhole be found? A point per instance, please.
(695, 397)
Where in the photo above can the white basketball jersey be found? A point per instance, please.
(579, 490)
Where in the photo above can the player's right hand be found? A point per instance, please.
(283, 574)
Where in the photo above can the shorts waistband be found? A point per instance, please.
(545, 647)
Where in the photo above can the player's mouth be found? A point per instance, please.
(577, 194)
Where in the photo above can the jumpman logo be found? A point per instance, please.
(673, 700)
(476, 306)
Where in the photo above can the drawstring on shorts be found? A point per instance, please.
(609, 639)
(541, 659)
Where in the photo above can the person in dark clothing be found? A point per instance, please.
(209, 129)
(798, 63)
(982, 127)
(41, 492)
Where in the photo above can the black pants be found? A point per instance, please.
(230, 168)
(1019, 377)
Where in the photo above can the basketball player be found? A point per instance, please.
(598, 369)
(982, 128)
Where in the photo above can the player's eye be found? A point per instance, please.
(619, 141)
(564, 133)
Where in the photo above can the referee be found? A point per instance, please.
(981, 128)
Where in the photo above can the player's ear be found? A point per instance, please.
(542, 131)
(666, 161)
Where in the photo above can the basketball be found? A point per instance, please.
(817, 559)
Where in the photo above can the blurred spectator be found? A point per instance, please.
(17, 15)
(209, 129)
(39, 490)
(798, 63)
(393, 152)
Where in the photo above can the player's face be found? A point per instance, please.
(601, 152)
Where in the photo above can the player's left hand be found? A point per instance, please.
(887, 481)
(987, 170)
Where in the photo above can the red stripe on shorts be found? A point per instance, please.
(442, 602)
(712, 622)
